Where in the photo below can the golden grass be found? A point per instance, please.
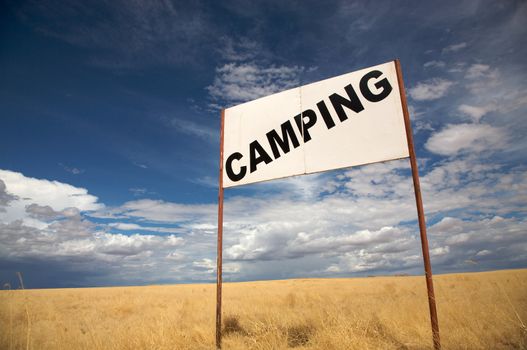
(476, 311)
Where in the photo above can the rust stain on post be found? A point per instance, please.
(220, 240)
(420, 211)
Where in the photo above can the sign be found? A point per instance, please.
(356, 118)
(353, 119)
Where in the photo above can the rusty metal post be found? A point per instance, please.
(220, 241)
(420, 211)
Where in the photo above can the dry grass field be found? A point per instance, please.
(476, 311)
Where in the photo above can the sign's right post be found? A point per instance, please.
(420, 211)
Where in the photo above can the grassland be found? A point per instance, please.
(476, 311)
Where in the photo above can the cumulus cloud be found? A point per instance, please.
(76, 239)
(483, 240)
(68, 238)
(373, 196)
(44, 212)
(207, 264)
(38, 200)
(5, 197)
(467, 138)
(361, 223)
(269, 244)
(56, 194)
(124, 226)
(126, 245)
(45, 224)
(432, 89)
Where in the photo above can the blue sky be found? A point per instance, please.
(109, 140)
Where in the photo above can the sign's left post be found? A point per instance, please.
(220, 239)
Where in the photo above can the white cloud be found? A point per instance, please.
(455, 47)
(56, 194)
(305, 186)
(5, 197)
(118, 244)
(372, 180)
(432, 89)
(207, 264)
(361, 226)
(269, 244)
(158, 210)
(76, 238)
(72, 170)
(440, 251)
(333, 269)
(483, 252)
(38, 193)
(482, 79)
(123, 226)
(467, 138)
(480, 237)
(46, 223)
(191, 128)
(236, 83)
(476, 112)
(239, 49)
(176, 256)
(138, 191)
(139, 165)
(381, 258)
(477, 71)
(434, 64)
(42, 212)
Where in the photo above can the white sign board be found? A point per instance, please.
(352, 119)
